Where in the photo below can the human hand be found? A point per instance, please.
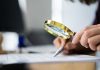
(68, 46)
(89, 37)
(86, 40)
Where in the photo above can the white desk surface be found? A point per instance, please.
(45, 55)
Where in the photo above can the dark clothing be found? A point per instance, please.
(97, 19)
(10, 16)
(13, 67)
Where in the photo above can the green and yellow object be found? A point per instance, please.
(58, 29)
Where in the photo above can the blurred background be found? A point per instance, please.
(70, 14)
(26, 17)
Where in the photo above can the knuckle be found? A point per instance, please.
(86, 33)
(82, 43)
(90, 41)
(92, 45)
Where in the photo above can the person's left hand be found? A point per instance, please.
(89, 37)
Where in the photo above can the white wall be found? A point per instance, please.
(74, 15)
(77, 15)
(37, 12)
(57, 10)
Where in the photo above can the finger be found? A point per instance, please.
(93, 42)
(69, 46)
(77, 37)
(98, 47)
(58, 42)
(65, 52)
(87, 34)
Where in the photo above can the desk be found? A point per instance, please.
(64, 66)
(58, 66)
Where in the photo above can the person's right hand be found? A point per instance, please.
(86, 40)
(70, 48)
(58, 42)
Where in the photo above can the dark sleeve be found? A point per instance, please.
(10, 16)
(97, 19)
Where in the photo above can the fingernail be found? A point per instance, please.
(86, 46)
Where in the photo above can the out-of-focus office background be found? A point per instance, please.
(36, 12)
(27, 17)
(31, 15)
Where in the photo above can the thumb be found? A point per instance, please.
(58, 42)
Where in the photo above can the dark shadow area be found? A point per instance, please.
(11, 16)
(13, 67)
(40, 37)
